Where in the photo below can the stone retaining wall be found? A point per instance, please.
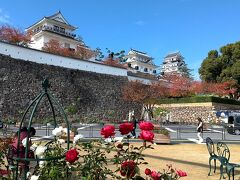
(91, 93)
(188, 112)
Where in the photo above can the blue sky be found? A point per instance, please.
(157, 27)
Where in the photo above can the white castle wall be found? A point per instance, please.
(41, 57)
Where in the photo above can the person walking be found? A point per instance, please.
(200, 130)
(134, 121)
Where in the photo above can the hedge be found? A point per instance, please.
(198, 99)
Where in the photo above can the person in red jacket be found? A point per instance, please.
(21, 147)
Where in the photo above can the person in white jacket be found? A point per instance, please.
(200, 130)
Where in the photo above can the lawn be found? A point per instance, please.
(192, 158)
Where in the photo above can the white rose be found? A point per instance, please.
(24, 142)
(41, 164)
(108, 140)
(40, 150)
(28, 174)
(34, 177)
(61, 141)
(65, 130)
(77, 137)
(34, 147)
(57, 131)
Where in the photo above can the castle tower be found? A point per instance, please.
(141, 62)
(172, 63)
(54, 27)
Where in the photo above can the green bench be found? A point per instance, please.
(223, 156)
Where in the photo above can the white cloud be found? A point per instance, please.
(4, 18)
(139, 23)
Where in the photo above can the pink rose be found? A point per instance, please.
(147, 136)
(144, 125)
(108, 131)
(181, 173)
(125, 128)
(155, 175)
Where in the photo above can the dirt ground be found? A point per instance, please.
(192, 158)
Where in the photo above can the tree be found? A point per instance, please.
(146, 95)
(83, 52)
(55, 47)
(185, 71)
(227, 88)
(14, 35)
(221, 67)
(114, 59)
(178, 85)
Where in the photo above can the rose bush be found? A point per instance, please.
(93, 159)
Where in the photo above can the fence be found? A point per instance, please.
(177, 132)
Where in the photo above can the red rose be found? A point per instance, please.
(148, 126)
(71, 155)
(181, 173)
(4, 172)
(155, 175)
(148, 171)
(123, 173)
(147, 136)
(108, 131)
(120, 146)
(126, 128)
(128, 168)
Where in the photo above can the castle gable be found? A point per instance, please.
(58, 17)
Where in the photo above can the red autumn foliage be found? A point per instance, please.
(178, 85)
(146, 95)
(84, 53)
(14, 35)
(55, 47)
(113, 62)
(228, 88)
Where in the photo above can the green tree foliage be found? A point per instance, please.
(185, 71)
(223, 66)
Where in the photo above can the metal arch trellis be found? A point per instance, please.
(35, 104)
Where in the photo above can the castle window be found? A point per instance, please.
(145, 69)
(56, 28)
(136, 67)
(62, 30)
(154, 71)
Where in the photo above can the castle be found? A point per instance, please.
(56, 27)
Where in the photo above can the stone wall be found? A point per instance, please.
(93, 94)
(188, 112)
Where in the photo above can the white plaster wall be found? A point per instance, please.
(40, 57)
(144, 81)
(37, 43)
